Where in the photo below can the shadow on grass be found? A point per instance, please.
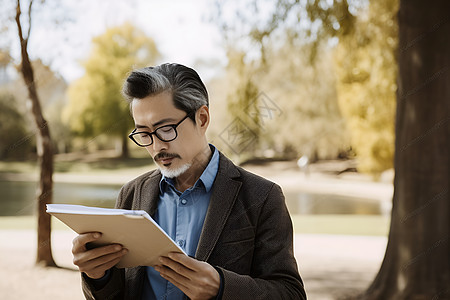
(57, 267)
(67, 268)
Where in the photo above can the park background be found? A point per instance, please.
(303, 93)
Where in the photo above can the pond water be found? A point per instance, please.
(18, 199)
(324, 204)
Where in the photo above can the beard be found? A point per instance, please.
(167, 170)
(174, 172)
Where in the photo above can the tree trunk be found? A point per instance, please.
(125, 153)
(44, 147)
(417, 260)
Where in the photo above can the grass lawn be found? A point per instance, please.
(26, 223)
(341, 224)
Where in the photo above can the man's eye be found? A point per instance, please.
(165, 129)
(143, 135)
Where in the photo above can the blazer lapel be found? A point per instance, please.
(147, 195)
(224, 194)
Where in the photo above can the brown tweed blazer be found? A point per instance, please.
(247, 234)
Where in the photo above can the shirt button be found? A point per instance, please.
(181, 243)
(183, 201)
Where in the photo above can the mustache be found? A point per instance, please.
(163, 155)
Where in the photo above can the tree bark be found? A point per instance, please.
(44, 147)
(417, 260)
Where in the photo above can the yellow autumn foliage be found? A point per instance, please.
(96, 103)
(366, 70)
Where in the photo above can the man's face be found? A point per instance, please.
(177, 156)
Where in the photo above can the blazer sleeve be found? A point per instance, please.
(114, 288)
(274, 272)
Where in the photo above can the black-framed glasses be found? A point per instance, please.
(166, 133)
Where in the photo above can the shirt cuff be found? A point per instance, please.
(220, 293)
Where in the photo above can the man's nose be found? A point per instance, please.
(159, 145)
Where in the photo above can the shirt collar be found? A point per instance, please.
(206, 179)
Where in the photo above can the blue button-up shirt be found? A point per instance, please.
(181, 215)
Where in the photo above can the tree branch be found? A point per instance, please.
(29, 19)
(23, 39)
(19, 25)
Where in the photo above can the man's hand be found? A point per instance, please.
(95, 262)
(197, 279)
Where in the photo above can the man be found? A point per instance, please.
(233, 225)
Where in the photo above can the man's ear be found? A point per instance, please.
(202, 117)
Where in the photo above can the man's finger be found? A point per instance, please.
(95, 268)
(175, 278)
(85, 256)
(176, 267)
(88, 264)
(101, 269)
(95, 262)
(201, 284)
(184, 260)
(104, 250)
(79, 243)
(175, 282)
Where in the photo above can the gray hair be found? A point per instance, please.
(187, 89)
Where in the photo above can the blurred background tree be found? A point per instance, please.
(241, 106)
(311, 123)
(51, 90)
(330, 67)
(96, 106)
(287, 105)
(15, 142)
(366, 70)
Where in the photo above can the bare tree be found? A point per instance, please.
(44, 145)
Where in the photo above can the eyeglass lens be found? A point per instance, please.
(165, 133)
